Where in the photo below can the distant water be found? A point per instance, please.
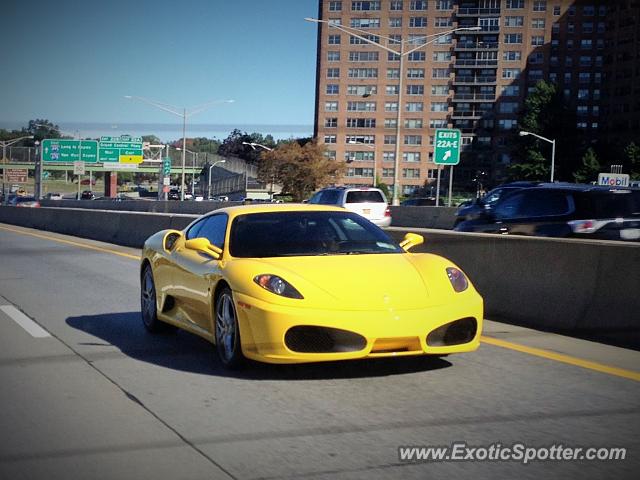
(168, 132)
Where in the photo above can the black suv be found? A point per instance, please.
(476, 208)
(579, 211)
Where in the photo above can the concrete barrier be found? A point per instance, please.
(423, 217)
(560, 284)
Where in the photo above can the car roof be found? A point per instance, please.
(276, 207)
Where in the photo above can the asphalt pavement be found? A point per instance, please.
(85, 392)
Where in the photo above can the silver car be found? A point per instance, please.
(368, 202)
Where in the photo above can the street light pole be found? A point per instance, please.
(523, 133)
(253, 145)
(183, 114)
(210, 167)
(194, 157)
(358, 33)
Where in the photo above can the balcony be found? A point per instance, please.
(475, 46)
(477, 12)
(460, 80)
(464, 63)
(474, 97)
(483, 30)
(468, 114)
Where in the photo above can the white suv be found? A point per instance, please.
(368, 202)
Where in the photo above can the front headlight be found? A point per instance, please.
(458, 279)
(277, 285)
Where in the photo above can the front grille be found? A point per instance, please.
(453, 333)
(312, 339)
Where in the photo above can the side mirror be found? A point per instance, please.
(411, 240)
(203, 245)
(171, 239)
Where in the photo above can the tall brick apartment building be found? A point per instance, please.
(472, 80)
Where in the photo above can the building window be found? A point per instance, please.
(438, 123)
(537, 23)
(508, 107)
(391, 107)
(515, 4)
(417, 5)
(362, 90)
(361, 123)
(443, 22)
(388, 156)
(334, 40)
(584, 77)
(388, 172)
(440, 90)
(582, 110)
(536, 58)
(417, 56)
(512, 56)
(587, 27)
(333, 89)
(333, 73)
(330, 106)
(514, 21)
(439, 106)
(360, 172)
(366, 139)
(513, 38)
(392, 90)
(333, 56)
(440, 73)
(331, 122)
(415, 73)
(511, 73)
(365, 23)
(410, 173)
(358, 41)
(586, 44)
(363, 56)
(389, 139)
(413, 139)
(585, 61)
(361, 106)
(442, 56)
(444, 40)
(330, 139)
(540, 5)
(415, 89)
(417, 22)
(395, 22)
(444, 4)
(364, 6)
(556, 10)
(414, 107)
(395, 5)
(411, 157)
(395, 39)
(335, 6)
(393, 73)
(537, 40)
(359, 156)
(588, 11)
(390, 122)
(413, 123)
(393, 57)
(507, 124)
(363, 73)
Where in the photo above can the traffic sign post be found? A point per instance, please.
(79, 170)
(446, 151)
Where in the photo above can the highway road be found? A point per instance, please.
(86, 393)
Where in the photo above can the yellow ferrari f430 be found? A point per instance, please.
(305, 283)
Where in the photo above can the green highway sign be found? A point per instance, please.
(123, 149)
(54, 150)
(446, 146)
(166, 166)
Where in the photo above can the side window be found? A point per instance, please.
(544, 204)
(509, 207)
(315, 198)
(195, 229)
(214, 229)
(330, 197)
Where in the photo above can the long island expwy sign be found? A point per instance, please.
(613, 179)
(123, 149)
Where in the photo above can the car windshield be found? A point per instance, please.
(364, 196)
(280, 234)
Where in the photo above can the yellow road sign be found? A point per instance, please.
(130, 158)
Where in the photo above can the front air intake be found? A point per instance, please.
(311, 339)
(453, 333)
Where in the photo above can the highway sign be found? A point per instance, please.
(613, 179)
(78, 168)
(166, 166)
(54, 150)
(16, 175)
(123, 149)
(446, 146)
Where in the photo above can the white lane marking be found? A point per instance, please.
(25, 322)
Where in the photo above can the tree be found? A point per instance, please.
(41, 129)
(535, 168)
(633, 160)
(299, 169)
(590, 167)
(234, 145)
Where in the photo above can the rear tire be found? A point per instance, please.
(227, 331)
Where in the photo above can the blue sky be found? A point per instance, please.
(73, 60)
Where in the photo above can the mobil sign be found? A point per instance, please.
(613, 179)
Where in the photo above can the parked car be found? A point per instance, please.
(474, 208)
(53, 196)
(579, 211)
(173, 195)
(24, 201)
(87, 195)
(368, 202)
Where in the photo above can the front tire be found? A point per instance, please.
(148, 303)
(227, 331)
